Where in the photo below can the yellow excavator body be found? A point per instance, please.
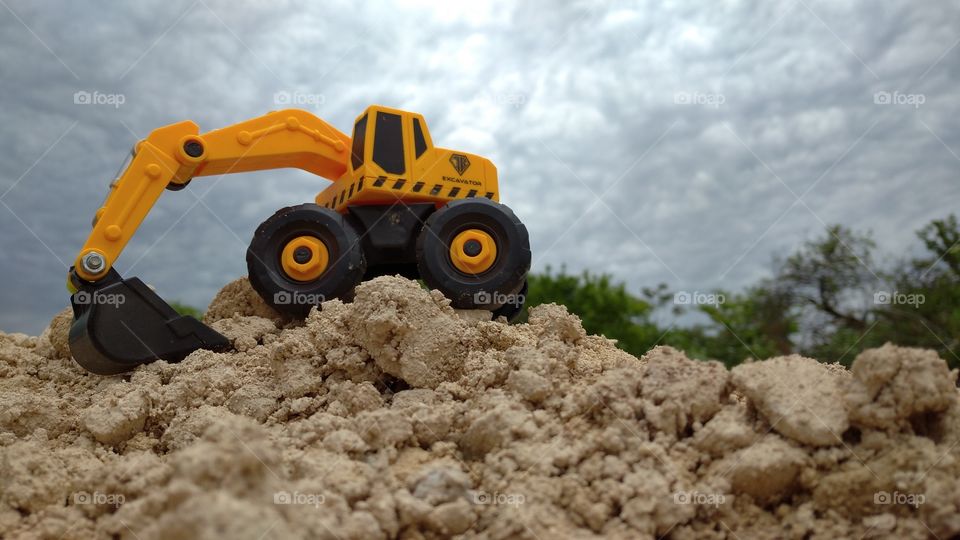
(404, 165)
(396, 204)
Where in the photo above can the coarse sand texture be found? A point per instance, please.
(395, 416)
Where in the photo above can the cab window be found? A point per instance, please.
(419, 142)
(388, 143)
(359, 138)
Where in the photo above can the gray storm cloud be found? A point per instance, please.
(681, 143)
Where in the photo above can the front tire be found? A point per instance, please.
(476, 252)
(302, 256)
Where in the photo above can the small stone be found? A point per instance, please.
(800, 397)
(118, 419)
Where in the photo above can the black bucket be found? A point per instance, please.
(119, 324)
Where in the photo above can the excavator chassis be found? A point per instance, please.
(415, 240)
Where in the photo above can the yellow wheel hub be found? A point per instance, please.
(473, 251)
(304, 258)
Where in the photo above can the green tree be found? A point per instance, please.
(941, 237)
(921, 306)
(831, 274)
(184, 309)
(831, 281)
(758, 323)
(828, 300)
(604, 308)
(847, 303)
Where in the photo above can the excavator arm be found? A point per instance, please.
(172, 155)
(120, 323)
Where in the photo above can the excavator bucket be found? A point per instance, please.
(119, 324)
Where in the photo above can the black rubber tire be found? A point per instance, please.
(492, 288)
(345, 267)
(513, 308)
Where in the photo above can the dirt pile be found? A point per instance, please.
(395, 416)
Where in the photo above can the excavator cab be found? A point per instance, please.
(396, 204)
(388, 142)
(392, 156)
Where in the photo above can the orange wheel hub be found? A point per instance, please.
(304, 258)
(473, 251)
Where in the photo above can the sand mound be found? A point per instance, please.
(395, 416)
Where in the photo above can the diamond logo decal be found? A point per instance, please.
(460, 163)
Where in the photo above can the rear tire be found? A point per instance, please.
(344, 268)
(497, 284)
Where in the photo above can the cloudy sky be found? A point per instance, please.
(685, 143)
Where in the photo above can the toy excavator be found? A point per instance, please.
(397, 204)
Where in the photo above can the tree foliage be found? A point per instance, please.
(604, 307)
(184, 309)
(829, 299)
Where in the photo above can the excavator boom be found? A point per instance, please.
(172, 155)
